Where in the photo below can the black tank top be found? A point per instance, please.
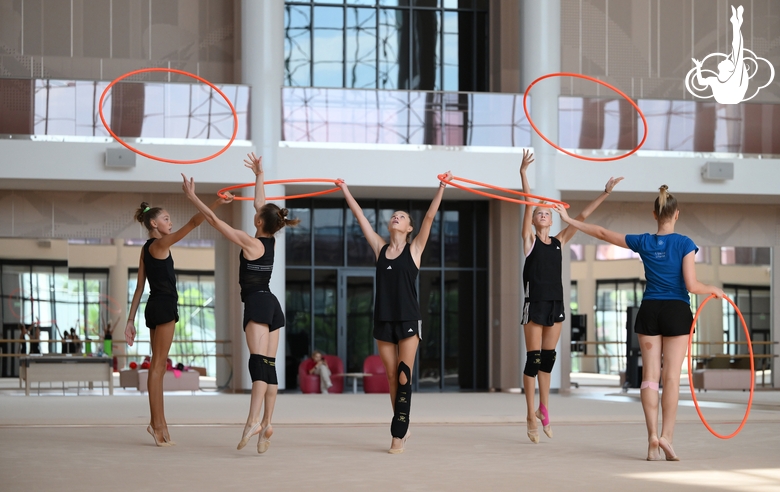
(542, 271)
(396, 287)
(255, 275)
(159, 273)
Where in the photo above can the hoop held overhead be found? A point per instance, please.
(592, 79)
(752, 370)
(221, 193)
(163, 159)
(551, 204)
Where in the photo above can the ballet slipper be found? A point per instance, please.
(666, 446)
(533, 434)
(263, 443)
(542, 415)
(159, 444)
(653, 451)
(403, 444)
(248, 435)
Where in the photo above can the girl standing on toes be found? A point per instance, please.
(397, 320)
(263, 314)
(543, 310)
(664, 319)
(156, 266)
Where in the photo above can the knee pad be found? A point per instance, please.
(548, 361)
(256, 365)
(403, 403)
(269, 367)
(533, 360)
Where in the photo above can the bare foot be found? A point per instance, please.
(653, 451)
(666, 446)
(250, 429)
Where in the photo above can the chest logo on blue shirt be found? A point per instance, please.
(660, 242)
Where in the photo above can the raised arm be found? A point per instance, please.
(256, 165)
(253, 248)
(598, 232)
(528, 227)
(160, 247)
(374, 240)
(421, 239)
(692, 283)
(139, 290)
(565, 235)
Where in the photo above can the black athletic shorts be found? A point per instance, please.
(395, 331)
(264, 308)
(160, 310)
(665, 318)
(545, 313)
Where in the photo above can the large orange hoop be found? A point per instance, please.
(752, 370)
(505, 190)
(221, 193)
(163, 159)
(592, 79)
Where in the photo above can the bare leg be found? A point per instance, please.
(257, 339)
(407, 351)
(550, 336)
(533, 341)
(270, 394)
(388, 352)
(651, 373)
(161, 338)
(675, 349)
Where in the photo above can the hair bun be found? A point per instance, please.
(663, 188)
(283, 212)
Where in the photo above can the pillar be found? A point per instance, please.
(775, 322)
(117, 292)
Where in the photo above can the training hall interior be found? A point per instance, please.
(97, 97)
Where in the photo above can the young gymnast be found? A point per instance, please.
(543, 309)
(664, 319)
(397, 320)
(156, 266)
(263, 314)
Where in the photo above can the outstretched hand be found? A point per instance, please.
(611, 184)
(528, 158)
(718, 293)
(447, 177)
(562, 212)
(254, 163)
(130, 333)
(227, 198)
(188, 186)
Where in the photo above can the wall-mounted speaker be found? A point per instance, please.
(718, 171)
(120, 158)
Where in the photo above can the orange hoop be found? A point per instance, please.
(221, 193)
(752, 370)
(505, 190)
(592, 79)
(163, 159)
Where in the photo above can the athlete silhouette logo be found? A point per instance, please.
(730, 84)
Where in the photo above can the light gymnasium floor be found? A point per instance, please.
(460, 441)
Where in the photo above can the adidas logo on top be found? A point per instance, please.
(389, 267)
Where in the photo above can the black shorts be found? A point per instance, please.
(263, 308)
(665, 318)
(545, 313)
(395, 331)
(161, 310)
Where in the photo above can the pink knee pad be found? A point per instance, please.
(649, 384)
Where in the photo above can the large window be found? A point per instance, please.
(194, 341)
(387, 44)
(613, 298)
(755, 304)
(330, 270)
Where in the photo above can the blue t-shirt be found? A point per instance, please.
(663, 256)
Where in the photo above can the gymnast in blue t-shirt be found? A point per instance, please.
(664, 316)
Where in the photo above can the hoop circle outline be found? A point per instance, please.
(600, 82)
(163, 159)
(221, 193)
(752, 370)
(499, 197)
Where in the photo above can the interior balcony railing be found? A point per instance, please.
(152, 112)
(595, 125)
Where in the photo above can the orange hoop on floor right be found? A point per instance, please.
(551, 201)
(752, 370)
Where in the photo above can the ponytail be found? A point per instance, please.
(665, 205)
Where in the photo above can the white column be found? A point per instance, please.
(262, 67)
(117, 291)
(225, 309)
(775, 316)
(540, 55)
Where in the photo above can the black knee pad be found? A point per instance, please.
(256, 367)
(269, 364)
(533, 360)
(403, 403)
(548, 361)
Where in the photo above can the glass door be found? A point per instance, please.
(355, 317)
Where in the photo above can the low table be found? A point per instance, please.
(54, 368)
(355, 376)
